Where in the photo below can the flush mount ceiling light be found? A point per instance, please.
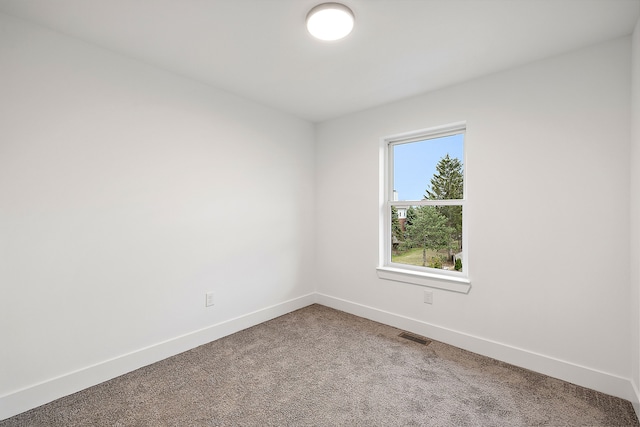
(330, 21)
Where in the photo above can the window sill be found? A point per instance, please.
(431, 280)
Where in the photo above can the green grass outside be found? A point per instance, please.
(414, 257)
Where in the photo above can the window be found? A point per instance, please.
(422, 217)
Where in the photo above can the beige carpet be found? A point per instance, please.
(322, 367)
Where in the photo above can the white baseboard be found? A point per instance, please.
(636, 399)
(576, 374)
(31, 397)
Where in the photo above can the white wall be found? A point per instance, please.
(548, 212)
(126, 193)
(635, 216)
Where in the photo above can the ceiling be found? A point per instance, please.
(259, 49)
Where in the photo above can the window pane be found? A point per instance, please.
(429, 169)
(427, 236)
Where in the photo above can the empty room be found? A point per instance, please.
(220, 212)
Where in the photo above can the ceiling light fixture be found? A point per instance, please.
(330, 21)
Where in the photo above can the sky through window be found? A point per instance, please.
(415, 163)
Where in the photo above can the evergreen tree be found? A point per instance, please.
(447, 184)
(396, 229)
(411, 216)
(428, 230)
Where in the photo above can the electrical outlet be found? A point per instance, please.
(428, 297)
(209, 301)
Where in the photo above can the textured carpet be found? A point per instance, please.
(322, 367)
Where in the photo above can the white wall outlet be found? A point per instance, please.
(428, 297)
(209, 301)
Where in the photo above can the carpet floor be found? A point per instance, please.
(322, 367)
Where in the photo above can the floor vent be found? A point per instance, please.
(415, 338)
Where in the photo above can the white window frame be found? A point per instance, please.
(423, 276)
